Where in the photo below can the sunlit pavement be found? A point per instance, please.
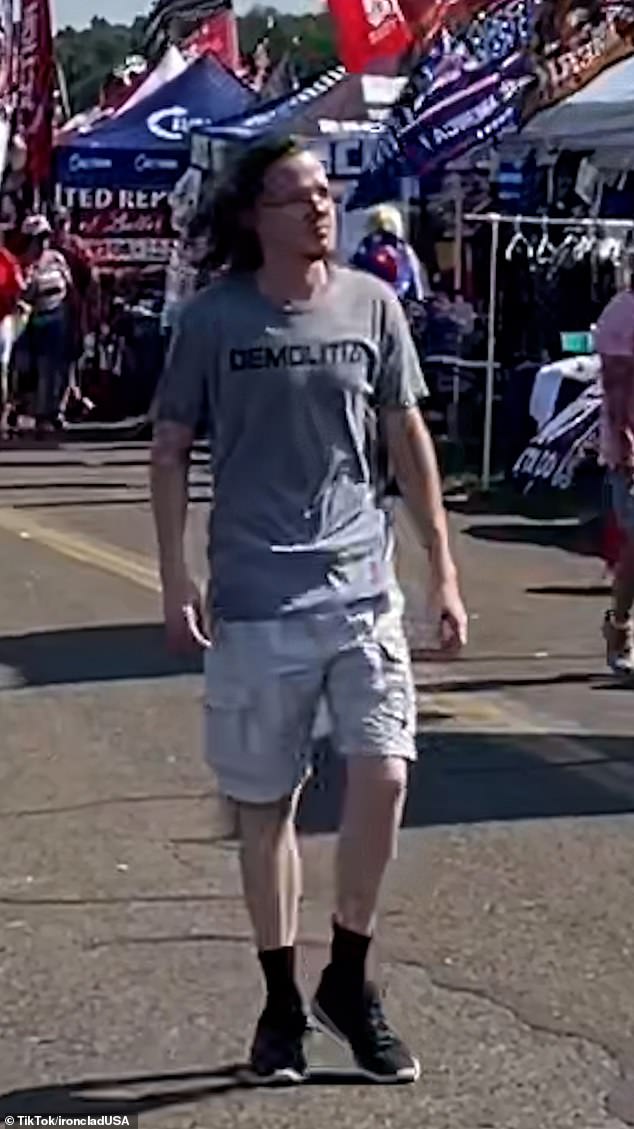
(506, 939)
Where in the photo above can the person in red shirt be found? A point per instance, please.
(11, 290)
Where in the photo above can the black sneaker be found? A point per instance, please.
(358, 1022)
(277, 1054)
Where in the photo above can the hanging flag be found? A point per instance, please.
(35, 81)
(171, 21)
(569, 51)
(555, 453)
(467, 115)
(369, 30)
(216, 36)
(463, 91)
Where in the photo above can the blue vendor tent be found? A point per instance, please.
(148, 146)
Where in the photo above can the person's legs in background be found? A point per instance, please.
(6, 349)
(618, 627)
(51, 362)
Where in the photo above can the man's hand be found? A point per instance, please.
(453, 621)
(186, 625)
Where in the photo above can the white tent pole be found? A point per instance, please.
(458, 235)
(490, 377)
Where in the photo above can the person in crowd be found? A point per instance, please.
(48, 285)
(386, 253)
(11, 290)
(614, 341)
(286, 355)
(81, 301)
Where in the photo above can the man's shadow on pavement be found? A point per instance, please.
(101, 653)
(475, 777)
(112, 1096)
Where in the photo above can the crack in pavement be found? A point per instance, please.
(108, 801)
(543, 1027)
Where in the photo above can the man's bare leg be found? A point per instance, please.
(624, 584)
(373, 810)
(346, 1005)
(271, 871)
(271, 877)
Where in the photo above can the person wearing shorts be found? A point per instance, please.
(291, 360)
(614, 341)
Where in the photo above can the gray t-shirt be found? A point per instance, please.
(288, 396)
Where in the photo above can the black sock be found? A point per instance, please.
(278, 966)
(348, 956)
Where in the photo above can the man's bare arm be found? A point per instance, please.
(414, 461)
(169, 477)
(413, 458)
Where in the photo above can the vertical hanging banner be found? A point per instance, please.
(369, 30)
(34, 109)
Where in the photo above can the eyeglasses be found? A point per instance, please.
(317, 200)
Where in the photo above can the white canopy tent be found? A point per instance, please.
(598, 117)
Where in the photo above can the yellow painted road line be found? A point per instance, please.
(86, 550)
(452, 711)
(465, 712)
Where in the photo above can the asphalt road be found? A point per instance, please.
(128, 981)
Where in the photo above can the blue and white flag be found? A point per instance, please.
(465, 91)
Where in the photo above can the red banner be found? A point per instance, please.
(36, 72)
(216, 36)
(369, 30)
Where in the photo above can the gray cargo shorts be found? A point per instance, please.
(266, 682)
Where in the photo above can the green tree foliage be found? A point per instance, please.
(309, 38)
(89, 56)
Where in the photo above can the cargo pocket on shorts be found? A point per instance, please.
(399, 700)
(229, 720)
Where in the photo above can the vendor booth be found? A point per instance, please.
(116, 179)
(120, 167)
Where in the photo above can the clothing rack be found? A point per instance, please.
(495, 222)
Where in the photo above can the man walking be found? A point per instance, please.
(614, 340)
(286, 356)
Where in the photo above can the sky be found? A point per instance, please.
(78, 13)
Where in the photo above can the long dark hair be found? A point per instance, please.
(233, 245)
